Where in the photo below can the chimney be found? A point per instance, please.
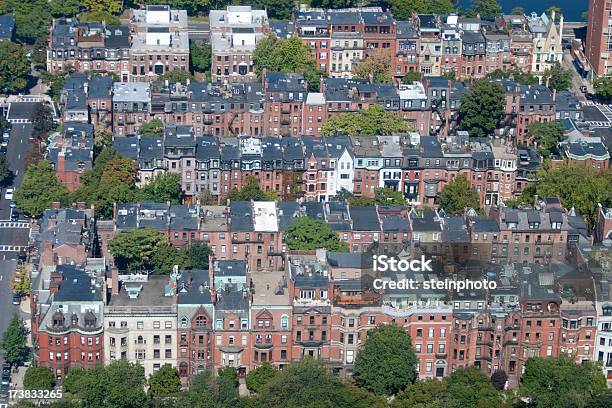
(86, 88)
(554, 95)
(114, 281)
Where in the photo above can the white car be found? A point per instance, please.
(9, 194)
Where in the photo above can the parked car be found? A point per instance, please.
(6, 374)
(14, 216)
(583, 89)
(16, 298)
(8, 194)
(12, 204)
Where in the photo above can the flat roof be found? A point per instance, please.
(270, 289)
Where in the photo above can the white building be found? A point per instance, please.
(140, 322)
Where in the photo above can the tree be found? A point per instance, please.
(517, 74)
(499, 379)
(369, 122)
(65, 8)
(42, 120)
(205, 197)
(103, 138)
(201, 56)
(193, 7)
(387, 363)
(258, 378)
(21, 280)
(603, 87)
(333, 4)
(177, 76)
(118, 385)
(96, 16)
(307, 383)
(546, 135)
(197, 254)
(39, 52)
(251, 191)
(55, 82)
(553, 382)
(39, 378)
(110, 6)
(162, 188)
(277, 9)
(32, 18)
(5, 171)
(152, 128)
(579, 187)
(307, 234)
(388, 196)
(558, 78)
(517, 11)
(421, 394)
(164, 382)
(411, 76)
(457, 195)
(134, 249)
(470, 388)
(481, 108)
(376, 68)
(286, 55)
(166, 257)
(227, 387)
(14, 67)
(39, 189)
(487, 9)
(403, 9)
(14, 342)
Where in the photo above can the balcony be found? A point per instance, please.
(484, 343)
(441, 356)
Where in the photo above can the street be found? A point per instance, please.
(14, 236)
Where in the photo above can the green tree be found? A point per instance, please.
(388, 196)
(166, 257)
(38, 378)
(258, 378)
(135, 249)
(482, 108)
(306, 234)
(277, 9)
(14, 67)
(164, 382)
(307, 383)
(227, 387)
(517, 74)
(457, 195)
(421, 394)
(152, 128)
(579, 187)
(162, 188)
(96, 16)
(603, 87)
(5, 171)
(55, 82)
(488, 9)
(368, 122)
(42, 120)
(193, 7)
(546, 135)
(251, 191)
(387, 363)
(65, 8)
(333, 4)
(403, 9)
(32, 19)
(103, 138)
(201, 56)
(498, 379)
(286, 55)
(411, 76)
(177, 76)
(376, 68)
(517, 11)
(470, 388)
(118, 385)
(197, 254)
(14, 342)
(553, 382)
(110, 6)
(39, 189)
(39, 52)
(558, 78)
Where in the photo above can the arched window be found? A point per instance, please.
(183, 322)
(284, 321)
